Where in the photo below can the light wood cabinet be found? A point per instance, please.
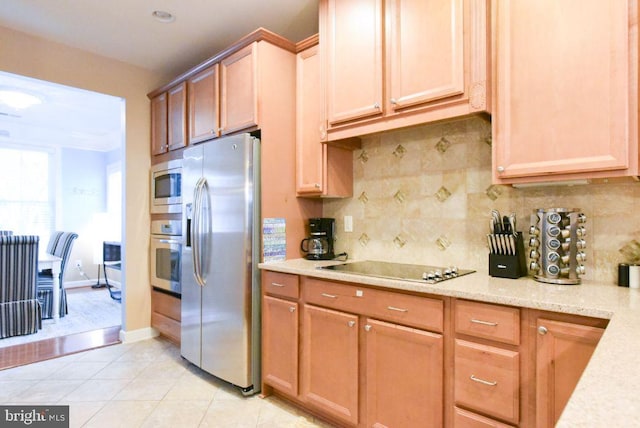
(159, 124)
(165, 315)
(566, 99)
(177, 116)
(239, 90)
(563, 350)
(487, 380)
(405, 62)
(330, 362)
(404, 376)
(354, 59)
(489, 372)
(369, 357)
(321, 170)
(280, 344)
(203, 105)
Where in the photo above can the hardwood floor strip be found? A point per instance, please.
(27, 353)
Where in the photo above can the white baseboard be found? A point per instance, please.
(138, 335)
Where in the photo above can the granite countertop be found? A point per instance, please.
(608, 392)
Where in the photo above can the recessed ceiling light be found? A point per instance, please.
(17, 99)
(163, 16)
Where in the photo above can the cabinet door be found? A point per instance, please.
(177, 116)
(203, 105)
(159, 124)
(562, 353)
(311, 156)
(425, 50)
(239, 90)
(354, 59)
(404, 380)
(330, 362)
(280, 344)
(562, 92)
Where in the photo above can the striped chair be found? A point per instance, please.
(20, 311)
(60, 245)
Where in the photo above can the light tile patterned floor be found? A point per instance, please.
(143, 384)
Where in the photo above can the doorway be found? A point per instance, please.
(64, 151)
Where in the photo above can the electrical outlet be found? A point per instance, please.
(78, 263)
(348, 223)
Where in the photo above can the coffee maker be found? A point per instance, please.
(319, 244)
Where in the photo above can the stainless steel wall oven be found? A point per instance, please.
(166, 254)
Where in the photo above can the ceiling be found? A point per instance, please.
(125, 30)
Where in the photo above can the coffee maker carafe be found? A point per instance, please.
(319, 244)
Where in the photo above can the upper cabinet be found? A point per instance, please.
(397, 63)
(354, 59)
(239, 90)
(169, 120)
(566, 90)
(177, 116)
(321, 170)
(218, 97)
(203, 105)
(159, 124)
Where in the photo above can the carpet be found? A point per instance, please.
(89, 309)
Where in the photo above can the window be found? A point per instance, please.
(26, 194)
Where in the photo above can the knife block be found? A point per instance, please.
(509, 266)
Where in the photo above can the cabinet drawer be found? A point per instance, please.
(280, 284)
(415, 311)
(464, 419)
(499, 323)
(166, 305)
(350, 298)
(487, 380)
(167, 327)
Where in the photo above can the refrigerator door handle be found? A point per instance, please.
(197, 231)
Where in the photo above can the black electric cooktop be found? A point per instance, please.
(407, 272)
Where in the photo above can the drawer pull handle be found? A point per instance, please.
(393, 308)
(331, 296)
(367, 327)
(352, 323)
(276, 284)
(292, 309)
(482, 381)
(492, 324)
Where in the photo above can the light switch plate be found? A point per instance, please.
(348, 223)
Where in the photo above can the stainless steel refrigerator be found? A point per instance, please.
(220, 281)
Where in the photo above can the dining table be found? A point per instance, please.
(49, 261)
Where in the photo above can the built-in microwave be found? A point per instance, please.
(166, 254)
(166, 184)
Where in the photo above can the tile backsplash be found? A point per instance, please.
(424, 195)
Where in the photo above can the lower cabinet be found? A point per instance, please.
(563, 350)
(165, 315)
(404, 376)
(330, 362)
(365, 357)
(280, 343)
(487, 380)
